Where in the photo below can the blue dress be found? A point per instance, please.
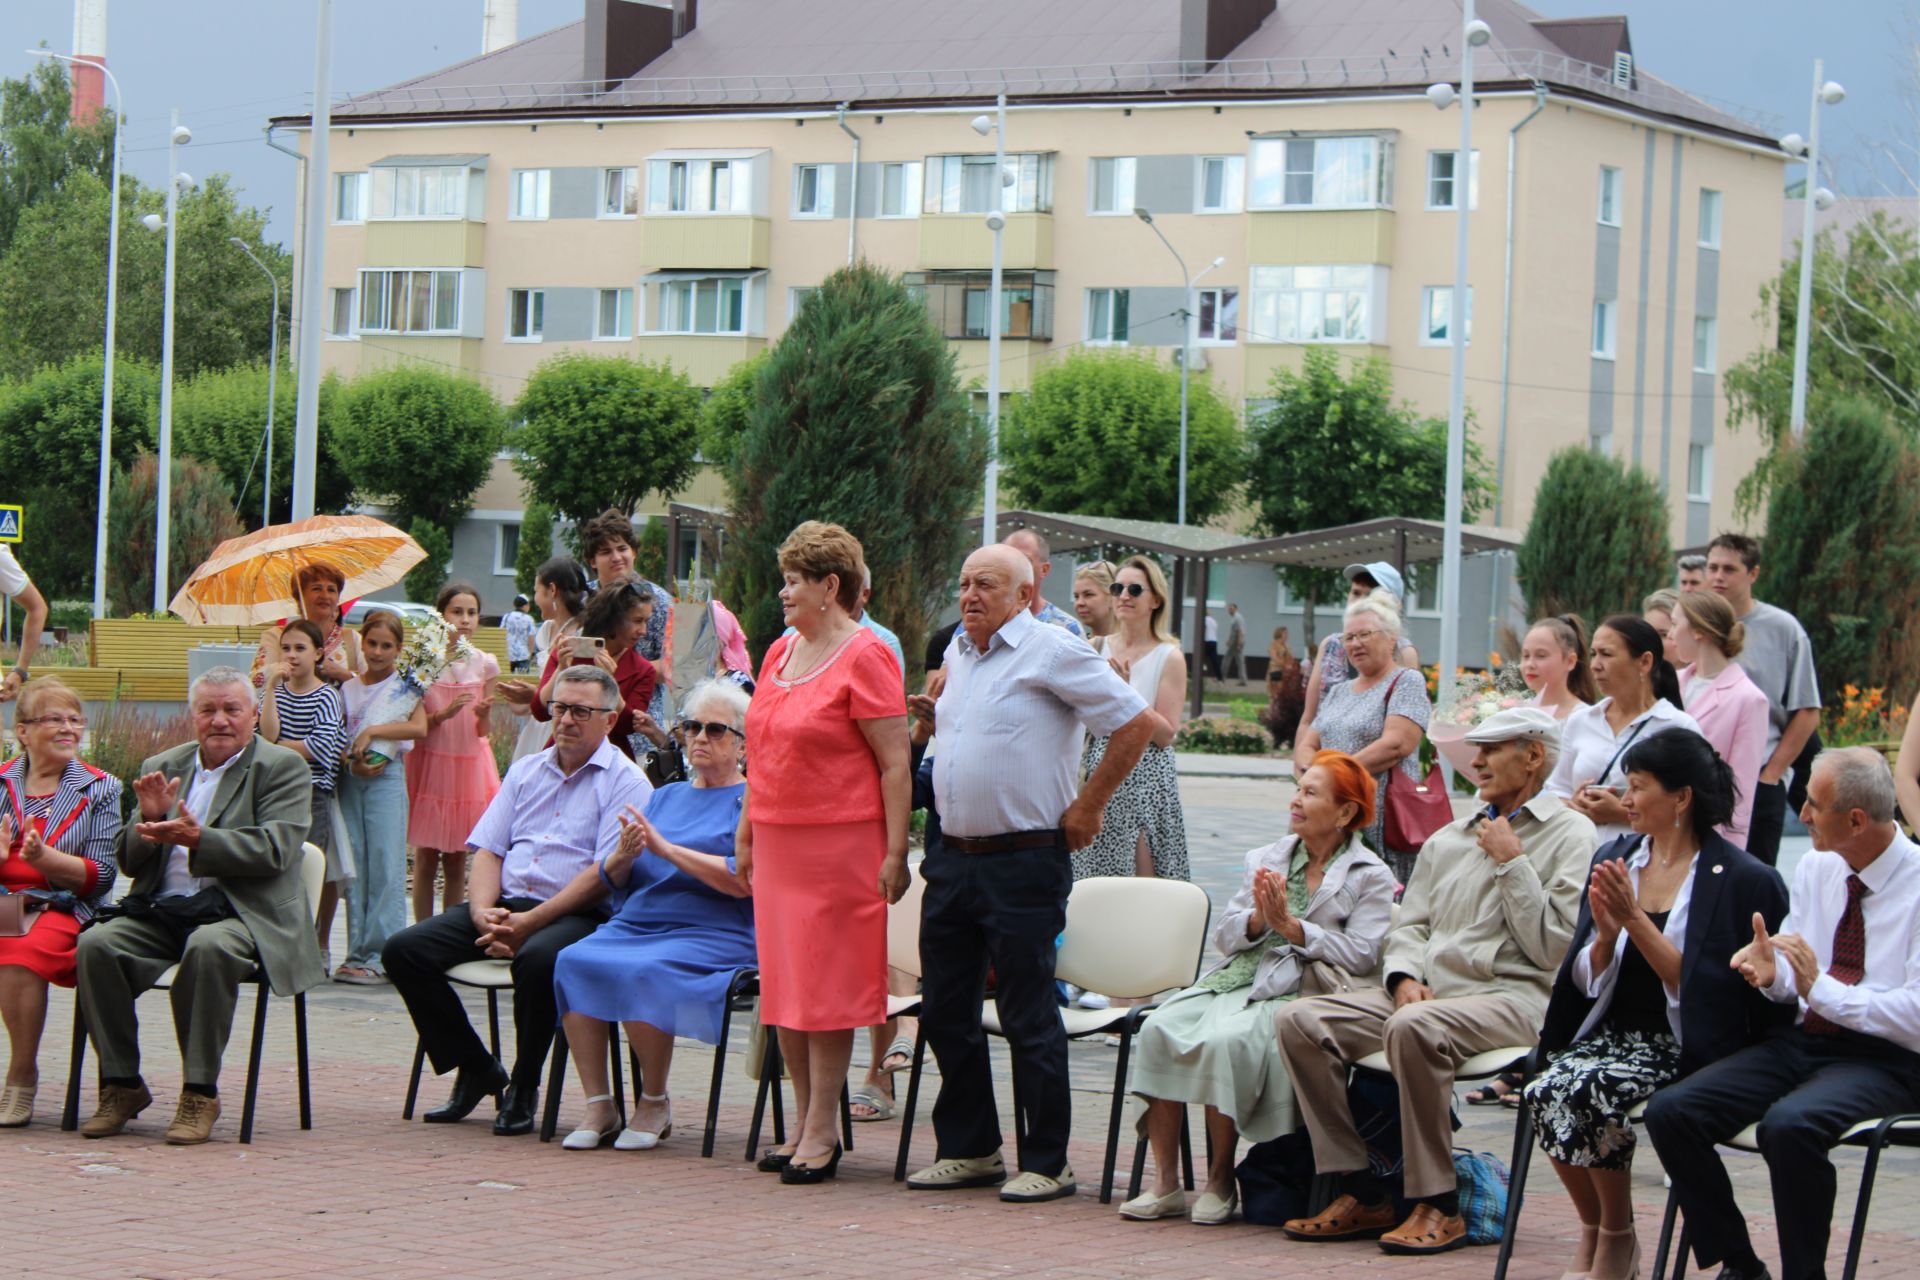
(672, 947)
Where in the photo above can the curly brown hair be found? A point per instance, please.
(816, 549)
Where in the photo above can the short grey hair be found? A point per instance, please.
(597, 678)
(222, 677)
(1861, 780)
(724, 693)
(1381, 604)
(1693, 562)
(1041, 547)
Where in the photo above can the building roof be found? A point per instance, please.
(797, 54)
(1400, 540)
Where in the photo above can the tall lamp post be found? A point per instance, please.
(996, 124)
(106, 389)
(177, 182)
(1187, 309)
(273, 368)
(1831, 94)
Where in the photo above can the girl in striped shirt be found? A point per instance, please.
(305, 714)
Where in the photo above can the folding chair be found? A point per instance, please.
(491, 976)
(313, 872)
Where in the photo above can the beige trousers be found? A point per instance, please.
(1425, 1042)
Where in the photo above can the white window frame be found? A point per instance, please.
(1712, 207)
(910, 195)
(629, 175)
(797, 295)
(823, 192)
(352, 296)
(1706, 344)
(1606, 328)
(1122, 172)
(1280, 161)
(1233, 184)
(600, 311)
(690, 186)
(386, 278)
(692, 289)
(1308, 321)
(358, 183)
(502, 562)
(944, 186)
(1225, 297)
(529, 187)
(1429, 294)
(1700, 477)
(536, 315)
(406, 189)
(1613, 188)
(1111, 296)
(1453, 181)
(1416, 582)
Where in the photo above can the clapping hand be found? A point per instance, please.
(6, 838)
(156, 793)
(1756, 961)
(183, 829)
(1799, 953)
(1612, 896)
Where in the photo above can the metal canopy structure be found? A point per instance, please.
(1399, 540)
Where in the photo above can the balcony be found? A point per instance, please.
(1315, 237)
(425, 243)
(705, 358)
(961, 240)
(697, 241)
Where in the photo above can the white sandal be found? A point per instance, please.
(632, 1139)
(590, 1139)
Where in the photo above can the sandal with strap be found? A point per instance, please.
(584, 1139)
(901, 1048)
(1496, 1092)
(869, 1096)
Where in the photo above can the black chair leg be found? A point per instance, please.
(614, 1073)
(1135, 1182)
(913, 1103)
(300, 1057)
(1113, 1115)
(769, 1090)
(1858, 1235)
(714, 1085)
(253, 1062)
(556, 1080)
(1666, 1236)
(1186, 1145)
(413, 1082)
(70, 1114)
(846, 1116)
(1516, 1189)
(1680, 1251)
(493, 1038)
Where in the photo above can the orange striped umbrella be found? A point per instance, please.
(249, 580)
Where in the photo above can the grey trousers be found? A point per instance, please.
(121, 958)
(1424, 1042)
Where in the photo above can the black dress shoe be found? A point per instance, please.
(808, 1175)
(470, 1087)
(1735, 1273)
(772, 1161)
(516, 1113)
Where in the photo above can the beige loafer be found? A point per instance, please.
(1147, 1207)
(16, 1105)
(193, 1120)
(1211, 1210)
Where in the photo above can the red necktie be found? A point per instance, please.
(1849, 954)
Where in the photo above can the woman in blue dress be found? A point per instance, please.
(682, 925)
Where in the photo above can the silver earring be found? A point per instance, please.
(1676, 822)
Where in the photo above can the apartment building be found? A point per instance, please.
(667, 179)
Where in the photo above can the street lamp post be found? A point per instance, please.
(1831, 94)
(178, 136)
(273, 368)
(106, 389)
(996, 124)
(1187, 309)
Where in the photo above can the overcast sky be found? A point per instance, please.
(230, 64)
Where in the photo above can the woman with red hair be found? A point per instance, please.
(1310, 918)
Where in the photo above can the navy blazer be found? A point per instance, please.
(1719, 1012)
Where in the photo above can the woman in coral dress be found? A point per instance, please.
(452, 774)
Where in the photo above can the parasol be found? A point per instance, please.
(249, 581)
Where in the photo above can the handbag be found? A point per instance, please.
(1414, 810)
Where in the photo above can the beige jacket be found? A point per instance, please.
(1469, 927)
(1344, 924)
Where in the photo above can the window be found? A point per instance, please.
(506, 549)
(428, 191)
(619, 192)
(349, 197)
(1442, 180)
(703, 306)
(532, 189)
(1700, 472)
(964, 184)
(1318, 173)
(960, 302)
(1706, 336)
(813, 191)
(1219, 316)
(340, 313)
(1423, 590)
(1312, 304)
(900, 189)
(1709, 219)
(797, 298)
(1604, 317)
(1110, 186)
(699, 186)
(1623, 69)
(614, 317)
(526, 314)
(410, 302)
(1107, 315)
(1436, 315)
(1609, 196)
(1222, 179)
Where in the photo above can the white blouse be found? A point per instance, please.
(1592, 753)
(1599, 986)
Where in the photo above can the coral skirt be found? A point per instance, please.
(46, 949)
(821, 924)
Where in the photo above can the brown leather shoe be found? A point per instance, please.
(1345, 1219)
(193, 1120)
(1426, 1230)
(118, 1104)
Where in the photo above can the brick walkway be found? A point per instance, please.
(368, 1195)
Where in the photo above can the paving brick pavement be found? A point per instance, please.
(365, 1194)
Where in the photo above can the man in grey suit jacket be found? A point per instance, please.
(215, 858)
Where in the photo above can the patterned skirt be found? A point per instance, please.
(1146, 803)
(1580, 1103)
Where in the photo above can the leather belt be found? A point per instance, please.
(1052, 838)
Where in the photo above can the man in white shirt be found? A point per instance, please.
(1008, 723)
(15, 582)
(1849, 955)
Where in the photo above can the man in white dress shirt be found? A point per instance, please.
(1849, 954)
(1008, 723)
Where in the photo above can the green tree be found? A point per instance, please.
(50, 459)
(858, 418)
(1099, 435)
(40, 147)
(1843, 547)
(418, 440)
(535, 549)
(605, 431)
(220, 415)
(424, 580)
(724, 417)
(1597, 543)
(203, 518)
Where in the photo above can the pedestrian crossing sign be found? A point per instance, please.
(11, 521)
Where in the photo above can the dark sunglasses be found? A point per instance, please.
(1134, 589)
(713, 729)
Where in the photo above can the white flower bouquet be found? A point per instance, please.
(1476, 696)
(430, 649)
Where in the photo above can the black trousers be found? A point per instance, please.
(1769, 819)
(1805, 1091)
(417, 959)
(1213, 658)
(1003, 909)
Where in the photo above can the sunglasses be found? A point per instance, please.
(1134, 589)
(573, 710)
(714, 730)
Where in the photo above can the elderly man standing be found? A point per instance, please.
(215, 860)
(1033, 546)
(556, 814)
(1486, 918)
(1008, 723)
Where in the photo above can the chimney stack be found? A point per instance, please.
(1212, 29)
(89, 44)
(622, 36)
(499, 24)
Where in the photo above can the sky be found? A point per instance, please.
(228, 65)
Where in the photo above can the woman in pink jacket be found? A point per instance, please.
(1729, 708)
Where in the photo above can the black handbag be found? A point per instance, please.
(665, 764)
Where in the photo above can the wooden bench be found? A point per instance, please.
(128, 684)
(160, 646)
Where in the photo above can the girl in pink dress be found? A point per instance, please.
(452, 775)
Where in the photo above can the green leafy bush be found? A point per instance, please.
(1222, 736)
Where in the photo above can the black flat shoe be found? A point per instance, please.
(470, 1089)
(809, 1175)
(516, 1114)
(772, 1161)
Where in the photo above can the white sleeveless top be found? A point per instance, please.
(1143, 675)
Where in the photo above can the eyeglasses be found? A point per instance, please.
(713, 729)
(59, 722)
(1353, 638)
(573, 710)
(1134, 589)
